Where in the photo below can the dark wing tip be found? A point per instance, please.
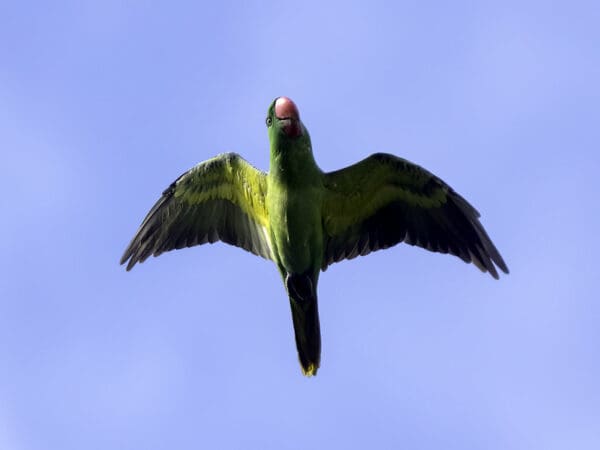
(123, 259)
(137, 250)
(130, 255)
(499, 261)
(133, 253)
(484, 253)
(132, 263)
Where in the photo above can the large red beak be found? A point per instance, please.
(287, 112)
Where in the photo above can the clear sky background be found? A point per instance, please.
(103, 104)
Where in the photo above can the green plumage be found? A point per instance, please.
(304, 219)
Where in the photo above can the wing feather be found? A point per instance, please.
(220, 199)
(384, 200)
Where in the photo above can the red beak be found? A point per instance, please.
(286, 111)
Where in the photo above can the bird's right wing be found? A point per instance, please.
(219, 199)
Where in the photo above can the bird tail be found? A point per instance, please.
(305, 315)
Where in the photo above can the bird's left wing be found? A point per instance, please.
(384, 200)
(219, 199)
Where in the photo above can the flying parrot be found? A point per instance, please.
(303, 219)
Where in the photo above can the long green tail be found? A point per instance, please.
(305, 315)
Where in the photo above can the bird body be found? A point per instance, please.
(304, 219)
(294, 204)
(294, 207)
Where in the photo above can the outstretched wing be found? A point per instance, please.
(384, 200)
(219, 199)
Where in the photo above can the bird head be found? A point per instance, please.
(283, 120)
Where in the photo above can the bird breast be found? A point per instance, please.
(296, 228)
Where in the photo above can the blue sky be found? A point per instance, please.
(103, 104)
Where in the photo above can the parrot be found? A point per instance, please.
(304, 219)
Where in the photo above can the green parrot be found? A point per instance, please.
(303, 219)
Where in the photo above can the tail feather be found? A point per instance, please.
(305, 316)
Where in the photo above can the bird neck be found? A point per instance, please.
(293, 164)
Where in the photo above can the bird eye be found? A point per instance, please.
(269, 121)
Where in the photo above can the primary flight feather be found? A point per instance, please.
(304, 219)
